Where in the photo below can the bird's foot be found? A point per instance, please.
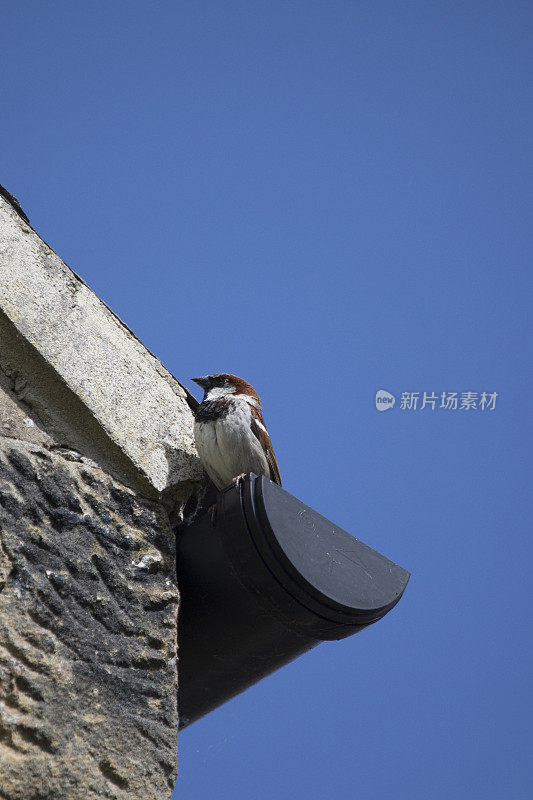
(238, 479)
(212, 511)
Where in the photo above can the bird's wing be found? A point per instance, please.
(259, 430)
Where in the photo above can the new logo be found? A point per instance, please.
(384, 400)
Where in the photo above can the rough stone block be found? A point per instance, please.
(88, 603)
(131, 397)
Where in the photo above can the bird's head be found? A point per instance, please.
(222, 384)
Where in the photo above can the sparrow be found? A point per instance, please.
(230, 433)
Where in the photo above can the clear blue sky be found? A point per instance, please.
(327, 198)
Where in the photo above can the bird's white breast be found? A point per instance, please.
(227, 445)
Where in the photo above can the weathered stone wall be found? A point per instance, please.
(92, 470)
(88, 604)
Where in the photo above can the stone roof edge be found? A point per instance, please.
(138, 404)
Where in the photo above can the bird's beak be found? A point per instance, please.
(201, 382)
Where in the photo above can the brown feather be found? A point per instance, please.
(243, 387)
(266, 444)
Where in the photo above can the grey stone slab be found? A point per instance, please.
(138, 405)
